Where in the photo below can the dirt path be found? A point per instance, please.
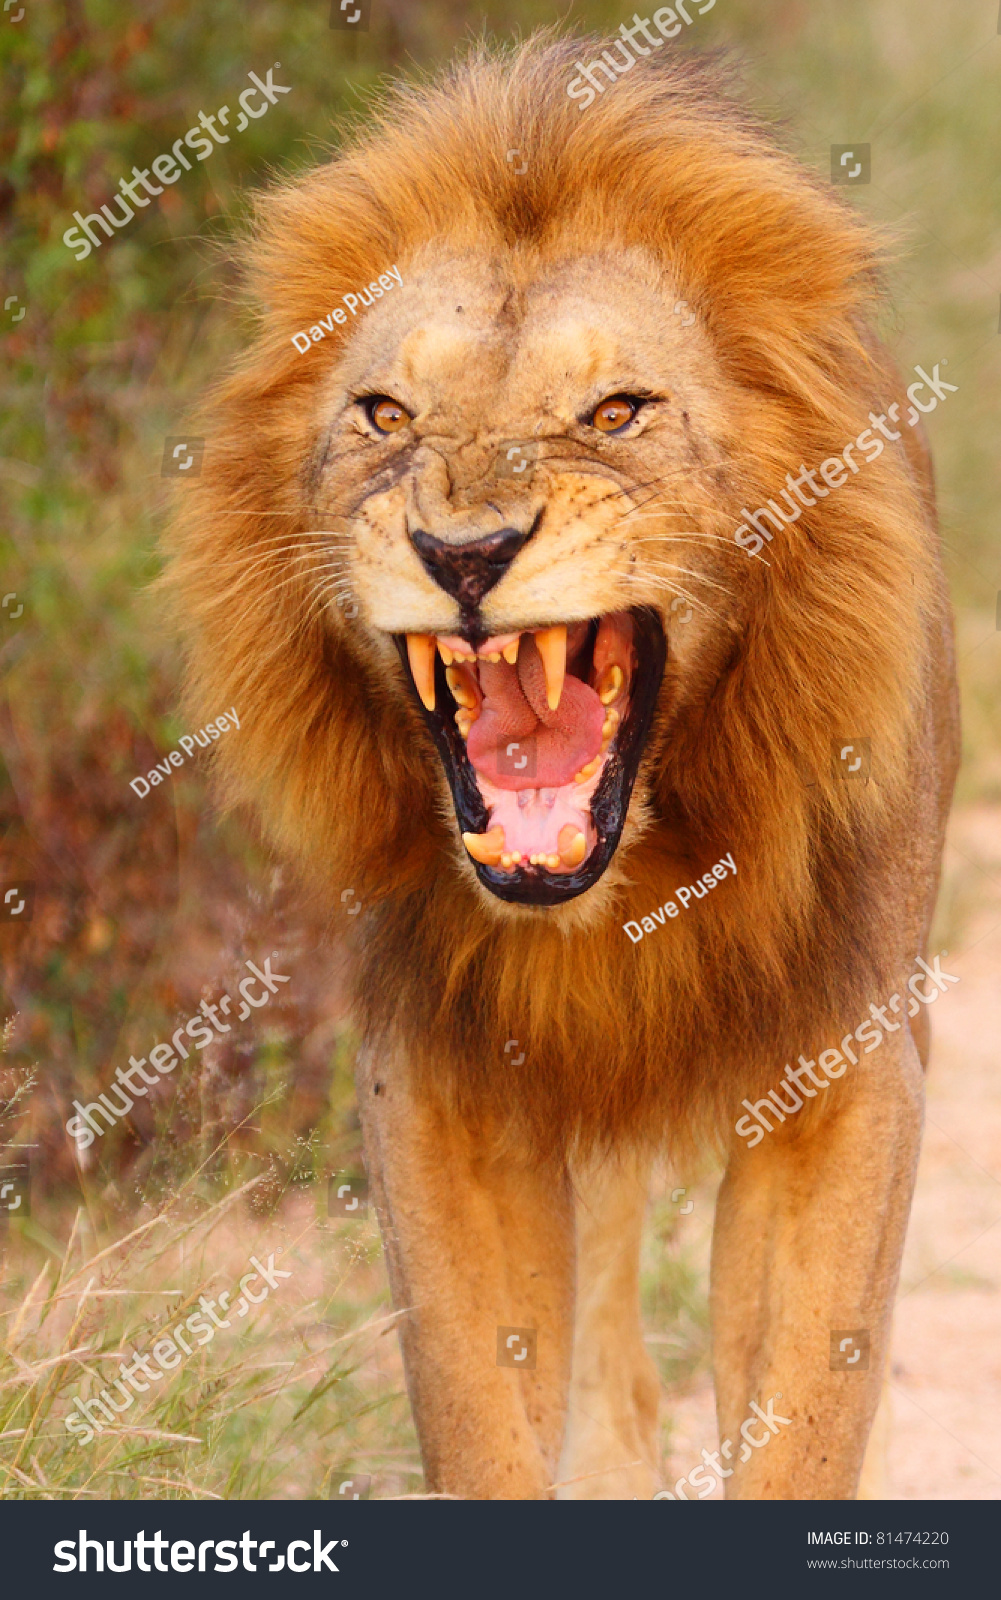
(945, 1440)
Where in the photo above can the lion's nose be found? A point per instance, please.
(468, 571)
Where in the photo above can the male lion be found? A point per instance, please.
(463, 556)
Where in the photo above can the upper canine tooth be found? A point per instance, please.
(510, 651)
(552, 647)
(421, 653)
(486, 848)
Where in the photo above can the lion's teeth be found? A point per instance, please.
(421, 652)
(464, 721)
(587, 772)
(552, 647)
(462, 691)
(572, 845)
(486, 848)
(446, 654)
(510, 651)
(610, 686)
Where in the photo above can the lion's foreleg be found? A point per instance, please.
(611, 1449)
(809, 1233)
(476, 1242)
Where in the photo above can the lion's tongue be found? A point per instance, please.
(517, 742)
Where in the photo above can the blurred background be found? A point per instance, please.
(126, 913)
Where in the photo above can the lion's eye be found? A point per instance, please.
(614, 413)
(386, 415)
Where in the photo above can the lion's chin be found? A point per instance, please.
(540, 734)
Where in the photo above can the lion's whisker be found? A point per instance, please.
(281, 581)
(659, 581)
(248, 567)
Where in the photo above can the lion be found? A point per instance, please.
(474, 558)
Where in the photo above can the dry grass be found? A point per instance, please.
(303, 1393)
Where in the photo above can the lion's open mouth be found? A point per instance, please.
(541, 734)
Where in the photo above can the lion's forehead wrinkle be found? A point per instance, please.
(528, 331)
(443, 350)
(576, 347)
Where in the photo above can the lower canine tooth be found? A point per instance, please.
(572, 846)
(486, 848)
(462, 694)
(611, 685)
(421, 653)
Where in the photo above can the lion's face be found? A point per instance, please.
(528, 461)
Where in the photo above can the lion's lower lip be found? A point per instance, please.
(569, 832)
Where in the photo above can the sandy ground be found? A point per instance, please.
(945, 1438)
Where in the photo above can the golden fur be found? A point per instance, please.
(841, 630)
